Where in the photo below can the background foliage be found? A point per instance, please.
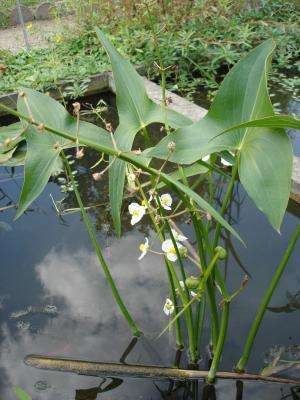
(199, 40)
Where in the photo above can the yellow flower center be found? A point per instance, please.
(143, 247)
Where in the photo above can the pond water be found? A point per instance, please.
(54, 299)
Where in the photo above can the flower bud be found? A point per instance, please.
(96, 176)
(79, 153)
(171, 146)
(192, 282)
(76, 107)
(221, 252)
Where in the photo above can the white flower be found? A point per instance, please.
(193, 294)
(225, 162)
(178, 237)
(137, 212)
(166, 201)
(168, 307)
(206, 158)
(181, 283)
(144, 247)
(170, 251)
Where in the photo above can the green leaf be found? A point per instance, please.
(136, 111)
(21, 394)
(276, 121)
(189, 171)
(41, 162)
(42, 159)
(5, 157)
(140, 162)
(10, 136)
(264, 153)
(17, 158)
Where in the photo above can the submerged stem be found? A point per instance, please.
(240, 367)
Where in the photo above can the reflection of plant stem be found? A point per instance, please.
(93, 238)
(240, 367)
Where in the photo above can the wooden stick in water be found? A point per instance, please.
(91, 368)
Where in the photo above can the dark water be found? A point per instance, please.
(48, 263)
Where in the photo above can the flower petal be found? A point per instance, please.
(171, 256)
(167, 245)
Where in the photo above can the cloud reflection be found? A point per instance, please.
(89, 324)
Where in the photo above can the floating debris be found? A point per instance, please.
(49, 309)
(23, 326)
(281, 359)
(41, 385)
(292, 305)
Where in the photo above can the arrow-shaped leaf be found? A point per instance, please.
(264, 153)
(136, 111)
(43, 148)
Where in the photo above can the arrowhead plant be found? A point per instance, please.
(240, 127)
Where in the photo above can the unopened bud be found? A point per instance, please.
(245, 280)
(192, 282)
(169, 100)
(76, 107)
(108, 126)
(222, 253)
(79, 153)
(171, 146)
(137, 152)
(96, 176)
(22, 94)
(208, 216)
(41, 127)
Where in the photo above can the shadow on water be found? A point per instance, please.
(55, 301)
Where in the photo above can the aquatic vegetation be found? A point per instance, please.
(241, 128)
(21, 394)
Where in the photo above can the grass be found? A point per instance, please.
(199, 43)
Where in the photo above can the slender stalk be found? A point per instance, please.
(221, 340)
(183, 293)
(201, 289)
(226, 201)
(240, 367)
(169, 267)
(199, 322)
(92, 234)
(210, 290)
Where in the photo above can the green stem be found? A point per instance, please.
(169, 266)
(221, 340)
(226, 201)
(210, 287)
(240, 367)
(199, 322)
(92, 234)
(183, 293)
(200, 234)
